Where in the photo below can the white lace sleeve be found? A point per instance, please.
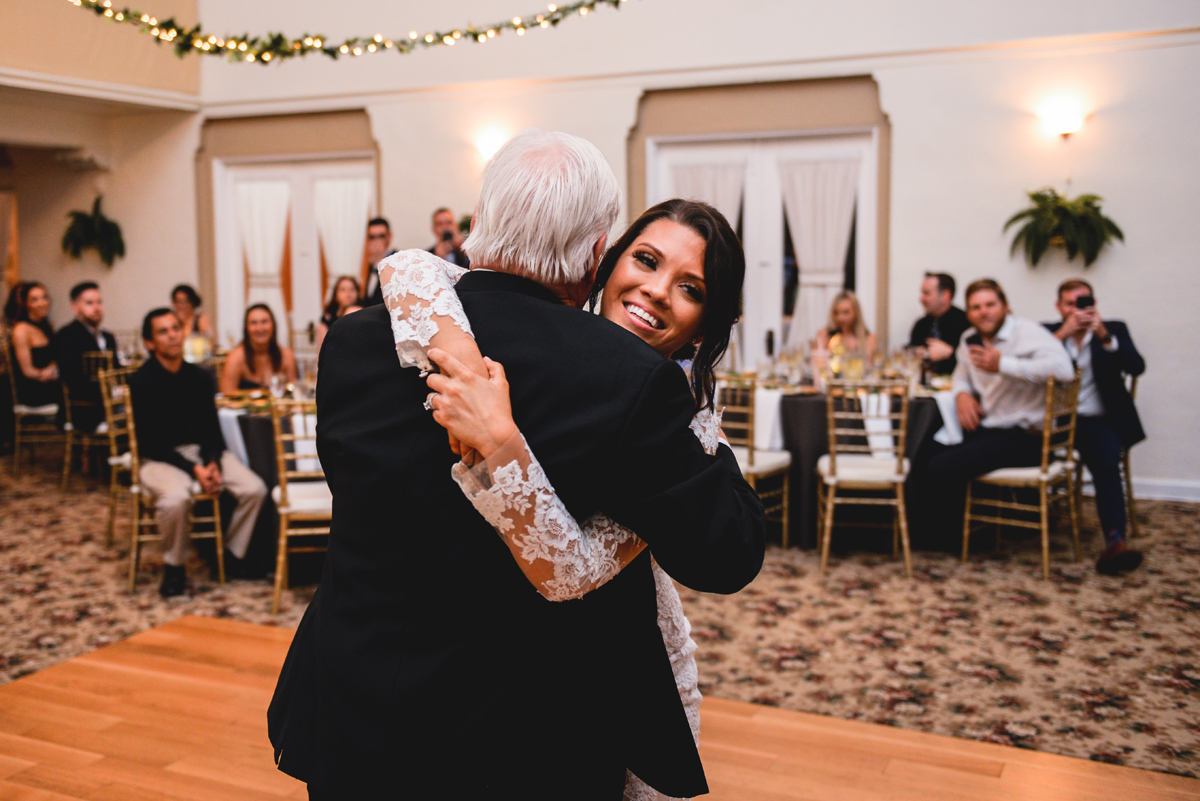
(418, 289)
(561, 558)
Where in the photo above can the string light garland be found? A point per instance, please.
(274, 47)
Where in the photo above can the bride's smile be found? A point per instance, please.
(657, 288)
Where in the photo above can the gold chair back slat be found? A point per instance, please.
(286, 414)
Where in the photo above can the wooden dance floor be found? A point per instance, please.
(179, 712)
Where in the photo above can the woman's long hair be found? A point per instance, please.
(724, 273)
(16, 310)
(332, 307)
(860, 328)
(272, 347)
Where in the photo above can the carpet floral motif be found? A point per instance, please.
(1084, 665)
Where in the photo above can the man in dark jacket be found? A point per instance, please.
(1108, 422)
(427, 665)
(81, 336)
(180, 446)
(936, 335)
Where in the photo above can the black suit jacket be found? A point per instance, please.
(1109, 370)
(425, 654)
(71, 342)
(950, 328)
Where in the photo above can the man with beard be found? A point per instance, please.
(1000, 393)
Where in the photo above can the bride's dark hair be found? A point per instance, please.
(724, 272)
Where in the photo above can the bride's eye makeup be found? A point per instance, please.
(647, 259)
(694, 292)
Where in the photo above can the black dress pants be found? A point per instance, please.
(1100, 451)
(947, 470)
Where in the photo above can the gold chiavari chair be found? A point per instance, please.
(735, 400)
(93, 363)
(302, 495)
(113, 393)
(33, 425)
(865, 458)
(1053, 473)
(123, 449)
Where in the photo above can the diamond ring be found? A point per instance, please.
(428, 404)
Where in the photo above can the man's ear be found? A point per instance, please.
(598, 253)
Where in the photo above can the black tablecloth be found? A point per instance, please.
(806, 437)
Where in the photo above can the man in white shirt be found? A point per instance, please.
(1000, 393)
(1108, 422)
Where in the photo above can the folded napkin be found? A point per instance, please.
(951, 431)
(228, 418)
(768, 428)
(876, 407)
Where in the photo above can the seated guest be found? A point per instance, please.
(936, 335)
(448, 242)
(1000, 392)
(252, 363)
(846, 329)
(379, 241)
(345, 294)
(34, 369)
(81, 336)
(180, 442)
(1108, 421)
(186, 302)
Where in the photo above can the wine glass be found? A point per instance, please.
(278, 385)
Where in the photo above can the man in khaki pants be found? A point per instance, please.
(180, 444)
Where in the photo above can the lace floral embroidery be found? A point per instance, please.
(706, 425)
(563, 559)
(418, 289)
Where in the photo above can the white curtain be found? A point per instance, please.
(818, 199)
(262, 217)
(719, 185)
(342, 206)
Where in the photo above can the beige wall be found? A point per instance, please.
(147, 189)
(55, 38)
(817, 105)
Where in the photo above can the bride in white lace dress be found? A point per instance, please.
(674, 279)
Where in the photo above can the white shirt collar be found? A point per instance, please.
(1005, 332)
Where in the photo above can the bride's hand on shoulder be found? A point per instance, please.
(475, 410)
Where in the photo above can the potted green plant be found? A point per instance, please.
(1055, 220)
(93, 231)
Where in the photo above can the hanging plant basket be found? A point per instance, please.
(93, 232)
(1053, 220)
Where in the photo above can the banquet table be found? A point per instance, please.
(806, 436)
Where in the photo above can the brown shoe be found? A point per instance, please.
(1117, 558)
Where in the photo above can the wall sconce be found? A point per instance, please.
(489, 141)
(1062, 115)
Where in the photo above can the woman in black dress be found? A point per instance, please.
(34, 370)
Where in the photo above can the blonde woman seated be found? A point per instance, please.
(846, 330)
(252, 363)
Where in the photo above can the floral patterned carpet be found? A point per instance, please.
(1084, 665)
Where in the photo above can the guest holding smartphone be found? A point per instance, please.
(1108, 422)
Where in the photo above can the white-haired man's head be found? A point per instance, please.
(547, 200)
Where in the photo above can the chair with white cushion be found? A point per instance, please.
(1053, 478)
(735, 396)
(865, 466)
(33, 425)
(122, 433)
(302, 495)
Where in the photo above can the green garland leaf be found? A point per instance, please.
(272, 46)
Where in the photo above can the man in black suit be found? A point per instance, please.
(426, 665)
(379, 247)
(81, 336)
(447, 241)
(1108, 422)
(936, 335)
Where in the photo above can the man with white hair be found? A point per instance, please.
(426, 665)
